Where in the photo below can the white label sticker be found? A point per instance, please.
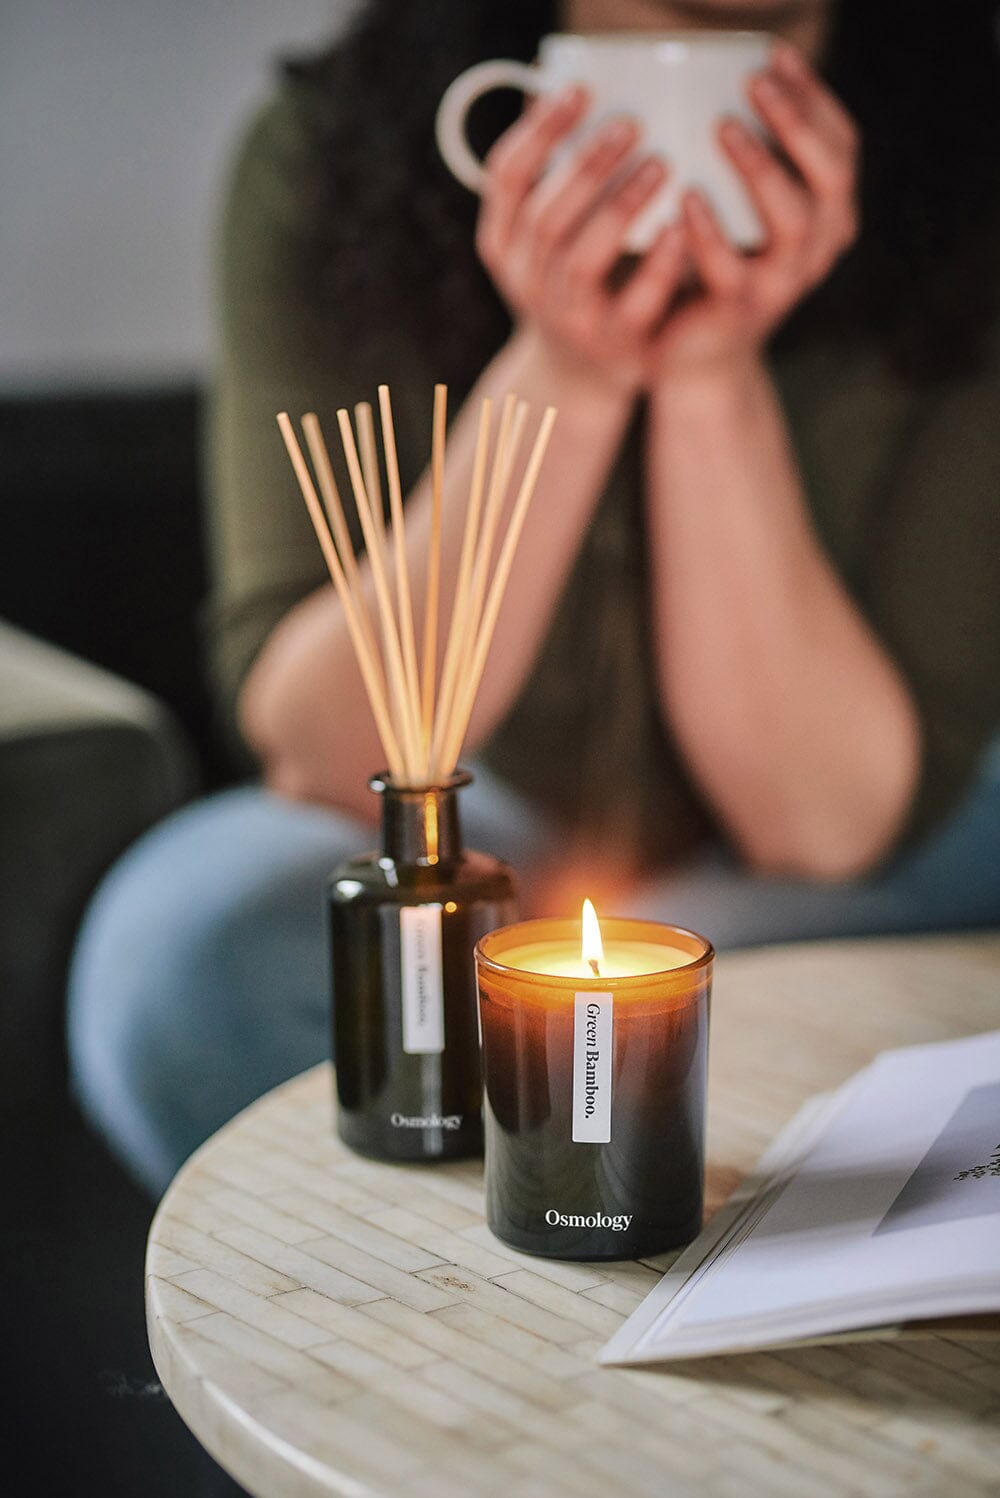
(593, 1031)
(420, 974)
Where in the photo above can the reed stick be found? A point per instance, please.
(369, 461)
(369, 673)
(433, 565)
(335, 514)
(373, 489)
(458, 628)
(404, 599)
(505, 454)
(498, 586)
(410, 731)
(422, 721)
(502, 460)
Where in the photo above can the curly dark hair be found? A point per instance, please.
(923, 81)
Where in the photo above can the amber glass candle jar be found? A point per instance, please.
(404, 922)
(594, 1087)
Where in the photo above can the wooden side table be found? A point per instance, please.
(329, 1325)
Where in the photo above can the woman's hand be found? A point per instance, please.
(807, 207)
(551, 243)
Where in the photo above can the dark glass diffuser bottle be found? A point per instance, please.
(404, 923)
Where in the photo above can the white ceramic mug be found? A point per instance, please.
(677, 84)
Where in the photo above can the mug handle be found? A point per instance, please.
(459, 98)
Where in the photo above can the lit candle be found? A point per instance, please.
(589, 956)
(594, 1058)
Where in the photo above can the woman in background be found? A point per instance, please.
(749, 657)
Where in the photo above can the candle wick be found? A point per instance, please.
(593, 967)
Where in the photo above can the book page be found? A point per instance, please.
(890, 1212)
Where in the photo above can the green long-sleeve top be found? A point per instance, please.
(903, 484)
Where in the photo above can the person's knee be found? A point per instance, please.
(199, 976)
(145, 987)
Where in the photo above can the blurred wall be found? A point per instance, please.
(117, 120)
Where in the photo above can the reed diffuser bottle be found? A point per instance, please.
(404, 923)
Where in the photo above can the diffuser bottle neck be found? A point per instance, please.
(421, 825)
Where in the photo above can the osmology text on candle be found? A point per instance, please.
(556, 1219)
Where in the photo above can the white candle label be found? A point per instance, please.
(421, 982)
(593, 1031)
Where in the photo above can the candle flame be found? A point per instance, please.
(591, 947)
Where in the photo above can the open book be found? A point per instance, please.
(878, 1204)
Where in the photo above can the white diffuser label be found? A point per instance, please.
(593, 1031)
(422, 988)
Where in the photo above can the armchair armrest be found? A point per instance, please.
(87, 763)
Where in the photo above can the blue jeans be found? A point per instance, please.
(200, 975)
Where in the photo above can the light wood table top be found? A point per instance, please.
(329, 1325)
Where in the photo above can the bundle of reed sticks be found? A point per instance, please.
(421, 712)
